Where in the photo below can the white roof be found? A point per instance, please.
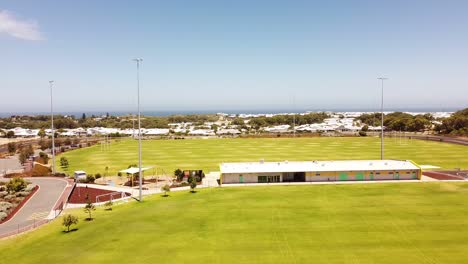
(303, 166)
(133, 170)
(80, 172)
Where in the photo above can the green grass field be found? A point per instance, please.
(206, 154)
(360, 223)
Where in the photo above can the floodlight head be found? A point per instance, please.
(138, 59)
(51, 81)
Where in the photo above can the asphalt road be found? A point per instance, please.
(39, 206)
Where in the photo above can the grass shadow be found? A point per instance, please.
(71, 230)
(89, 219)
(165, 195)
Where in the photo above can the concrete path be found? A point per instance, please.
(39, 207)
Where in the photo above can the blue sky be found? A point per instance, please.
(219, 55)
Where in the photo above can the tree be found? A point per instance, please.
(10, 134)
(44, 157)
(365, 128)
(83, 116)
(193, 185)
(41, 133)
(166, 188)
(69, 220)
(12, 147)
(179, 174)
(89, 208)
(22, 157)
(44, 144)
(64, 163)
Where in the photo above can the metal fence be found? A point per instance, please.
(24, 228)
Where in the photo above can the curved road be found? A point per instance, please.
(39, 207)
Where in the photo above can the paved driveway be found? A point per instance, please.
(39, 206)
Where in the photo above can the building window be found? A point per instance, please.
(266, 179)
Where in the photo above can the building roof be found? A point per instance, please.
(304, 166)
(133, 170)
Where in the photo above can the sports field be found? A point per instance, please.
(365, 223)
(206, 154)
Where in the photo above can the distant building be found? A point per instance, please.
(314, 171)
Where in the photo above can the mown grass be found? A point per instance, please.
(206, 154)
(362, 223)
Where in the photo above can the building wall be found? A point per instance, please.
(329, 176)
(246, 177)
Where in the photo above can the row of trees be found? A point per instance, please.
(263, 121)
(456, 125)
(398, 121)
(69, 122)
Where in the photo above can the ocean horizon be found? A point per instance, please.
(233, 111)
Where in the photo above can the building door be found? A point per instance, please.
(241, 179)
(397, 176)
(343, 176)
(359, 176)
(299, 176)
(371, 176)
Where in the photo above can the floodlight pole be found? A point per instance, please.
(382, 120)
(294, 116)
(52, 127)
(140, 181)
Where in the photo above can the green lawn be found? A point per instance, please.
(360, 223)
(206, 154)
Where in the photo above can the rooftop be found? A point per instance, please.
(330, 165)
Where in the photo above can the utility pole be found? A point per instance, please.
(382, 119)
(52, 127)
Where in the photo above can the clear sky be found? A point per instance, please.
(218, 55)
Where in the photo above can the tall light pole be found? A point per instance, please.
(51, 83)
(382, 79)
(140, 181)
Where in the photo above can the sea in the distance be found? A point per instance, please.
(236, 111)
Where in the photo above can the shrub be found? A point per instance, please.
(109, 205)
(362, 133)
(69, 220)
(193, 185)
(9, 197)
(98, 175)
(3, 215)
(90, 178)
(5, 206)
(166, 188)
(11, 147)
(64, 163)
(16, 185)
